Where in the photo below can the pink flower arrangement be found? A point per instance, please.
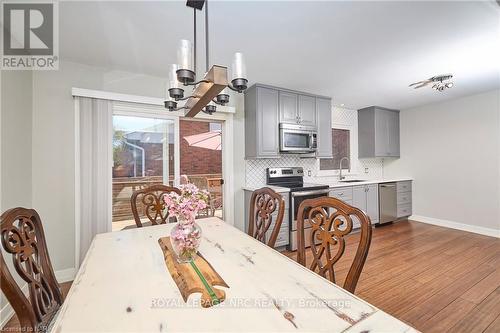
(186, 205)
(186, 235)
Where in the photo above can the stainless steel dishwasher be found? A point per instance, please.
(388, 206)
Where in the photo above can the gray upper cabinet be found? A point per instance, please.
(266, 107)
(307, 110)
(324, 120)
(378, 132)
(261, 122)
(297, 109)
(288, 107)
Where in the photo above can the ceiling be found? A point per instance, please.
(359, 53)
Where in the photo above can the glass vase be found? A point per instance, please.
(185, 238)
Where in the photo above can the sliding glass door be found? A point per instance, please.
(143, 155)
(201, 160)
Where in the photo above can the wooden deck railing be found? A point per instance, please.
(123, 187)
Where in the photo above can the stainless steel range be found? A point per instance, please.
(293, 178)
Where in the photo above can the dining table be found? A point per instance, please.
(124, 285)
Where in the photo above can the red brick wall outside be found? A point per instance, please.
(196, 160)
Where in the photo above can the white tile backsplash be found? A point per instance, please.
(256, 169)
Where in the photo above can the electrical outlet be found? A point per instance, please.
(366, 170)
(309, 173)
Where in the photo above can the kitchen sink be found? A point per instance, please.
(353, 181)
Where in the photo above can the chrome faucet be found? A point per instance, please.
(340, 167)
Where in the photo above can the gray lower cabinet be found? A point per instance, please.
(284, 234)
(404, 199)
(324, 119)
(378, 132)
(261, 122)
(365, 197)
(372, 202)
(343, 193)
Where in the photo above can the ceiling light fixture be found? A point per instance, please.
(213, 87)
(438, 80)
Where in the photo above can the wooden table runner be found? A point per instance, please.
(196, 276)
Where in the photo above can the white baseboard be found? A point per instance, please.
(7, 311)
(65, 275)
(456, 225)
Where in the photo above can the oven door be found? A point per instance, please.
(296, 141)
(296, 199)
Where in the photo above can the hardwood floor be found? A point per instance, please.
(435, 279)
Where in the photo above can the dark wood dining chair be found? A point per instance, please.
(23, 237)
(263, 204)
(152, 204)
(331, 220)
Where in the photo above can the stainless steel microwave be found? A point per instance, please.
(298, 139)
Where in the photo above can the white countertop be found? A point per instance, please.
(335, 184)
(277, 189)
(367, 182)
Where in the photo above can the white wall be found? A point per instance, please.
(54, 155)
(239, 160)
(16, 138)
(451, 149)
(15, 148)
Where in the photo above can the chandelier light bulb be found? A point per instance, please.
(449, 85)
(185, 55)
(239, 69)
(172, 76)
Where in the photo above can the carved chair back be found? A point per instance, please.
(152, 204)
(331, 220)
(263, 204)
(22, 237)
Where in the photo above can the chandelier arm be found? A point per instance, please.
(196, 83)
(184, 98)
(180, 108)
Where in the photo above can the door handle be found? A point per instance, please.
(306, 193)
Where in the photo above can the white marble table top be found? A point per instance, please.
(124, 285)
